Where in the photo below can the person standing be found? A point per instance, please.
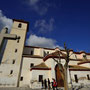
(45, 83)
(54, 84)
(48, 83)
(42, 83)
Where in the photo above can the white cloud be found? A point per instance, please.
(33, 2)
(39, 6)
(34, 40)
(44, 26)
(5, 22)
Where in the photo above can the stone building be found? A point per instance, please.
(12, 58)
(24, 66)
(38, 65)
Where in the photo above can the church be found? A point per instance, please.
(27, 66)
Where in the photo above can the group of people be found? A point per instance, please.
(48, 85)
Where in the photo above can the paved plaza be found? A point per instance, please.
(26, 88)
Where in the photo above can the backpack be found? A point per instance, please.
(54, 83)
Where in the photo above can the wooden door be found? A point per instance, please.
(59, 79)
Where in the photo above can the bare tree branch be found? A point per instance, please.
(55, 60)
(71, 54)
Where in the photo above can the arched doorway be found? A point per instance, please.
(59, 79)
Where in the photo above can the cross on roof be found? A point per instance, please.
(4, 35)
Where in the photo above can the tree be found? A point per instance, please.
(63, 69)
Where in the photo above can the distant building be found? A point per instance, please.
(24, 66)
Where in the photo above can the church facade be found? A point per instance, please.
(35, 67)
(27, 66)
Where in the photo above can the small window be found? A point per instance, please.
(19, 25)
(21, 79)
(84, 56)
(88, 77)
(15, 50)
(40, 78)
(18, 39)
(11, 71)
(76, 79)
(13, 62)
(32, 64)
(75, 56)
(31, 52)
(47, 53)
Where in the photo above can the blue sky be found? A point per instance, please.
(52, 22)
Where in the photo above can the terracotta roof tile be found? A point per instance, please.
(77, 67)
(41, 65)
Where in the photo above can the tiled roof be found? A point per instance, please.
(78, 68)
(84, 61)
(60, 50)
(41, 65)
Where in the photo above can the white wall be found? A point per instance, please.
(85, 65)
(9, 55)
(26, 73)
(73, 62)
(35, 77)
(82, 76)
(51, 64)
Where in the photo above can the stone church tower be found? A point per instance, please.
(12, 58)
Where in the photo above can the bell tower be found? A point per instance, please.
(12, 57)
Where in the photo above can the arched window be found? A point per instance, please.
(19, 25)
